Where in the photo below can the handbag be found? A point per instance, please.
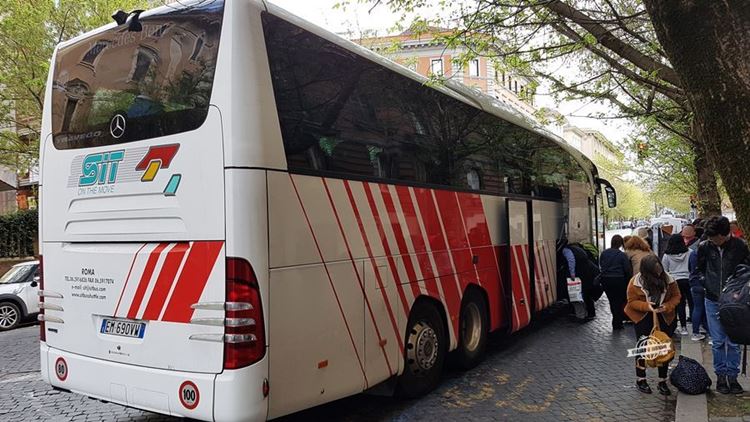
(656, 339)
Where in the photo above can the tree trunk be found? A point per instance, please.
(709, 200)
(707, 43)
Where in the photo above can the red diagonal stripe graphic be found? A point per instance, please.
(386, 248)
(400, 241)
(165, 280)
(148, 271)
(417, 240)
(127, 278)
(200, 262)
(359, 279)
(378, 277)
(440, 254)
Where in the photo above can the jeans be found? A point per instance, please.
(726, 354)
(699, 308)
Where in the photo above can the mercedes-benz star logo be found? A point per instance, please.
(117, 126)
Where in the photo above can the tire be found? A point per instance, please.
(10, 316)
(425, 350)
(473, 327)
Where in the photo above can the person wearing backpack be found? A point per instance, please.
(718, 257)
(616, 271)
(675, 261)
(652, 290)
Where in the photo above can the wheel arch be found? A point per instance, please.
(485, 296)
(424, 300)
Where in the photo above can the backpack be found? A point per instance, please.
(690, 377)
(734, 306)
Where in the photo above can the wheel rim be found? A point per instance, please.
(422, 347)
(8, 316)
(472, 327)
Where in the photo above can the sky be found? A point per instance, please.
(358, 17)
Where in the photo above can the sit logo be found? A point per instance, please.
(100, 168)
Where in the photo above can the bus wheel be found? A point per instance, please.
(473, 329)
(424, 353)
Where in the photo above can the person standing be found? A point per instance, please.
(636, 249)
(665, 233)
(717, 259)
(688, 235)
(676, 262)
(615, 274)
(652, 290)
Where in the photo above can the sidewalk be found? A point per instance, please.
(726, 408)
(692, 408)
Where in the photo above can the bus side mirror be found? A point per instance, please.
(609, 191)
(611, 196)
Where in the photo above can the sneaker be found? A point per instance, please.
(702, 330)
(643, 386)
(663, 388)
(683, 331)
(697, 337)
(734, 386)
(722, 384)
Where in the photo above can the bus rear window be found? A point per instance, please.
(125, 85)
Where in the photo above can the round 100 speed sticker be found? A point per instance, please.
(189, 395)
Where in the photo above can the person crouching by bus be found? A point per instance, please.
(652, 290)
(616, 271)
(574, 262)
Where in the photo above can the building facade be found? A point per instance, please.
(428, 57)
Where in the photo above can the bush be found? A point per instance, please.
(18, 232)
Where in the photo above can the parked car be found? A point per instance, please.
(19, 298)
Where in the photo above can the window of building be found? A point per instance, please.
(515, 87)
(143, 61)
(94, 52)
(436, 67)
(473, 180)
(474, 68)
(342, 115)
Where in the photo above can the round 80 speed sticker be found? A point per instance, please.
(61, 369)
(189, 395)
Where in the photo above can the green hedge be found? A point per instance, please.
(18, 232)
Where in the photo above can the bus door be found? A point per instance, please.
(521, 261)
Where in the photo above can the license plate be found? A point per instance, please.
(123, 328)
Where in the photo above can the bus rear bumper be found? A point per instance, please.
(228, 396)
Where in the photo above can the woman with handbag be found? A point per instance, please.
(653, 296)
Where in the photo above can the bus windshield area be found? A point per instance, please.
(123, 85)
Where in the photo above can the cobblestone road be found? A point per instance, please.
(555, 370)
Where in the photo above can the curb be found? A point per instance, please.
(691, 408)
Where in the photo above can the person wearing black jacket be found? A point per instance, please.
(717, 259)
(616, 272)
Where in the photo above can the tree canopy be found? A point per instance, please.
(29, 32)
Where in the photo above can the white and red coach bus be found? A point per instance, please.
(244, 215)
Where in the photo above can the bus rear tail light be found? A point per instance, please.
(244, 332)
